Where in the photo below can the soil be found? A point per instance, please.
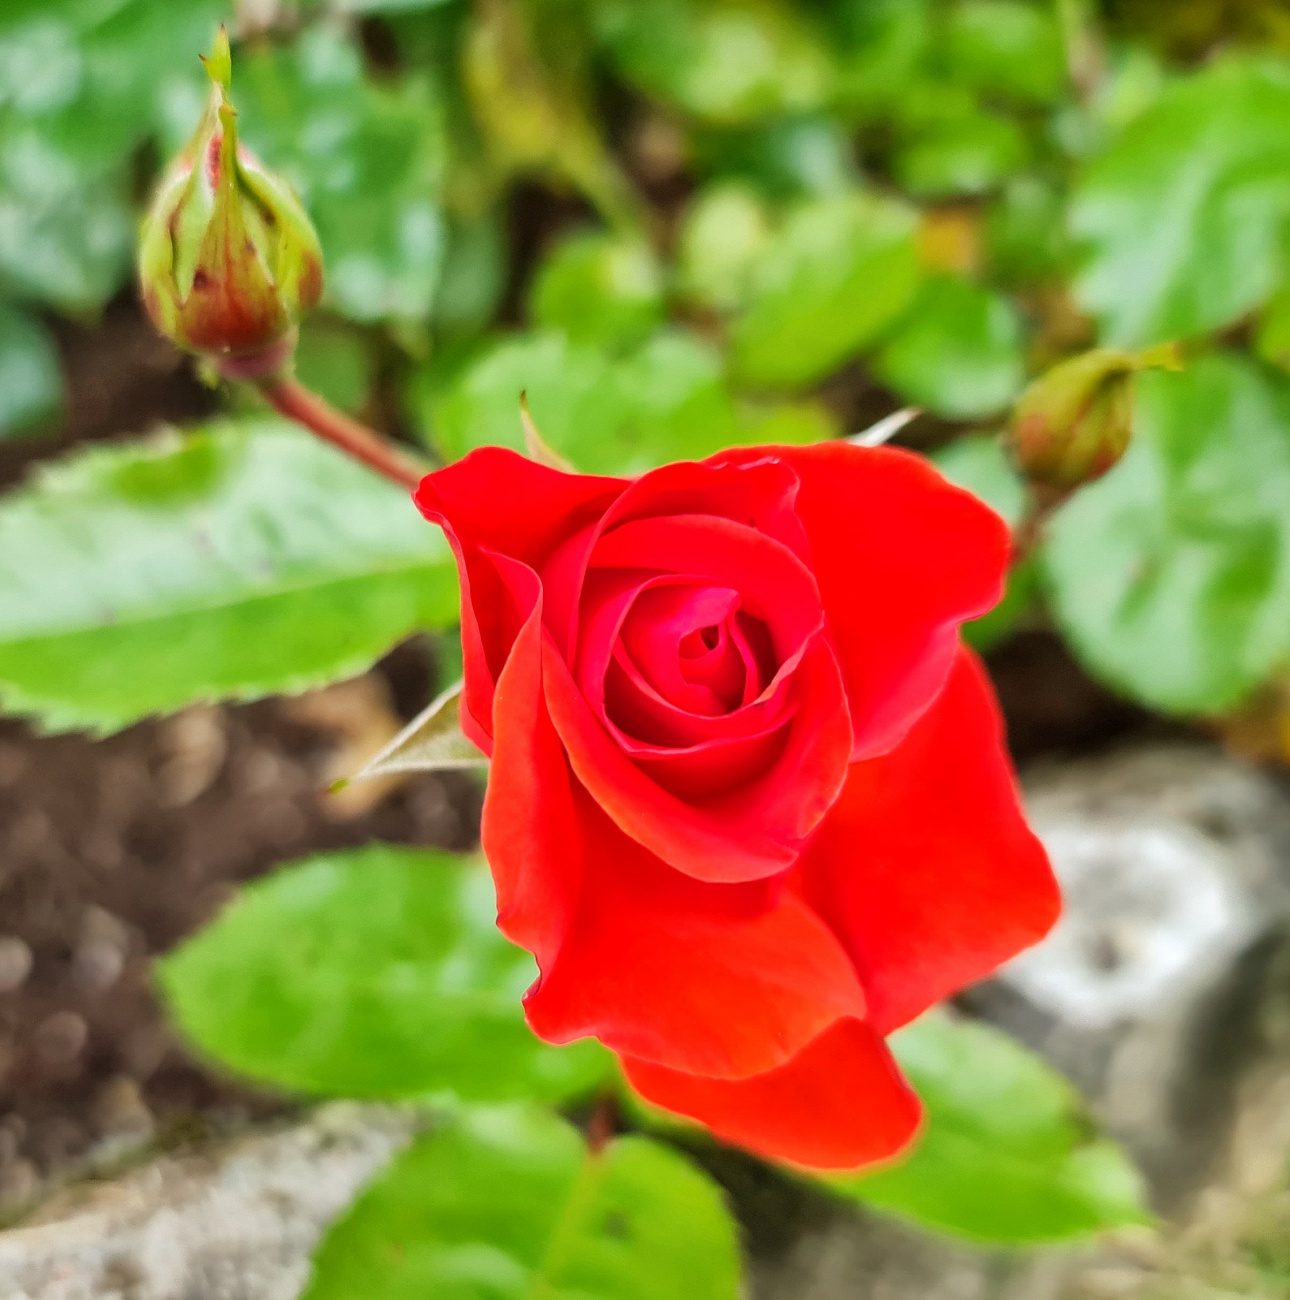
(112, 851)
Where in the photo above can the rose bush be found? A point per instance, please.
(749, 804)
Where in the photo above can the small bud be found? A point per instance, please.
(1074, 423)
(228, 259)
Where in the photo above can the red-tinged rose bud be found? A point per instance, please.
(228, 259)
(1074, 423)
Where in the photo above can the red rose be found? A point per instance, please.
(748, 804)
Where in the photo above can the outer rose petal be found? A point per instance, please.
(530, 831)
(496, 500)
(925, 866)
(902, 558)
(839, 1103)
(726, 980)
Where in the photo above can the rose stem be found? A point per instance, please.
(603, 1122)
(291, 398)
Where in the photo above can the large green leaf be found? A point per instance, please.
(1171, 576)
(837, 273)
(82, 83)
(1008, 1154)
(237, 560)
(1185, 215)
(31, 383)
(959, 352)
(726, 61)
(508, 1204)
(665, 401)
(367, 161)
(377, 972)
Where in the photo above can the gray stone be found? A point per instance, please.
(1150, 993)
(237, 1222)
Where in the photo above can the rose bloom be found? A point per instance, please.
(749, 804)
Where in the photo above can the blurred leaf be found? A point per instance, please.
(1171, 576)
(1008, 1154)
(601, 289)
(979, 464)
(82, 83)
(836, 275)
(374, 972)
(726, 230)
(790, 157)
(959, 352)
(1185, 215)
(235, 561)
(473, 277)
(367, 160)
(509, 1204)
(334, 362)
(1024, 234)
(953, 147)
(31, 379)
(793, 424)
(884, 45)
(665, 401)
(725, 61)
(525, 70)
(1009, 48)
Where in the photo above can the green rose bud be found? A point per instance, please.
(228, 259)
(1074, 423)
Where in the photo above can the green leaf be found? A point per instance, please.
(729, 61)
(607, 415)
(787, 158)
(333, 362)
(1008, 1154)
(508, 1204)
(836, 275)
(82, 84)
(883, 47)
(979, 464)
(31, 380)
(1185, 215)
(959, 352)
(375, 972)
(726, 231)
(601, 289)
(1024, 233)
(1008, 48)
(237, 560)
(1171, 576)
(952, 147)
(367, 160)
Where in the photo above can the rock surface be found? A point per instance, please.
(234, 1223)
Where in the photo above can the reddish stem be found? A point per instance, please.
(603, 1123)
(291, 398)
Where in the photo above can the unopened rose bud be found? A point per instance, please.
(228, 259)
(1074, 423)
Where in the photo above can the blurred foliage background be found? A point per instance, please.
(681, 224)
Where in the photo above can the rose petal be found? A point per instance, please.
(774, 586)
(494, 499)
(728, 980)
(925, 866)
(839, 1103)
(902, 557)
(530, 832)
(755, 831)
